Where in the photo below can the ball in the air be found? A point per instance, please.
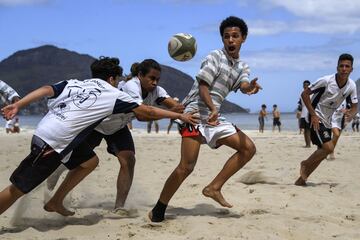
(182, 47)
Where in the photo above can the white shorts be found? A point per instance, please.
(213, 133)
(337, 120)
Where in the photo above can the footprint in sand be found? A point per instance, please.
(258, 212)
(254, 177)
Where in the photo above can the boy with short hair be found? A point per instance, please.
(328, 93)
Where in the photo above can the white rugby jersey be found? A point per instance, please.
(132, 87)
(328, 96)
(76, 108)
(7, 93)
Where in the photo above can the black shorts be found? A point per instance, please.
(119, 141)
(276, 122)
(321, 136)
(304, 124)
(41, 163)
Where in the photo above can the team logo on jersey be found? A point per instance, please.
(84, 98)
(326, 134)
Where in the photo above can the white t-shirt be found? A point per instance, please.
(328, 96)
(7, 93)
(77, 108)
(132, 87)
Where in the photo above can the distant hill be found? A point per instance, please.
(29, 69)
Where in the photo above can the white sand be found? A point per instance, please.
(266, 203)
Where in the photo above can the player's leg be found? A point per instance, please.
(245, 151)
(190, 147)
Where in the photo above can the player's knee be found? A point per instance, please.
(127, 161)
(185, 169)
(91, 164)
(249, 149)
(328, 148)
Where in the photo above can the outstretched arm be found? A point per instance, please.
(251, 87)
(147, 113)
(11, 110)
(173, 105)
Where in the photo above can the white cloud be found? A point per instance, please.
(301, 58)
(290, 61)
(319, 8)
(11, 3)
(311, 16)
(262, 27)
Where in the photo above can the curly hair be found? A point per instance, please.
(106, 67)
(234, 22)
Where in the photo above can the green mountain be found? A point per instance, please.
(29, 69)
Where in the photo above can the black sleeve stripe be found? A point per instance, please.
(124, 107)
(318, 93)
(348, 102)
(58, 88)
(159, 100)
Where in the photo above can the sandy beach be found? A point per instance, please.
(267, 205)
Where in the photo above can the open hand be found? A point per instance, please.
(254, 87)
(9, 111)
(213, 118)
(315, 122)
(190, 118)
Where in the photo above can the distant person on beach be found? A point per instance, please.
(276, 118)
(144, 88)
(16, 128)
(75, 108)
(124, 80)
(7, 94)
(12, 125)
(171, 120)
(328, 94)
(261, 118)
(304, 124)
(298, 117)
(149, 126)
(221, 72)
(355, 123)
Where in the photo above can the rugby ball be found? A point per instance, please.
(182, 47)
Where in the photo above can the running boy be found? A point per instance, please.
(328, 93)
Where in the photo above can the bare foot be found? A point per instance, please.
(217, 196)
(303, 173)
(58, 208)
(300, 182)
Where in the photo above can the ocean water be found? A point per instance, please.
(243, 121)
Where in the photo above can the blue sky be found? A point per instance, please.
(289, 40)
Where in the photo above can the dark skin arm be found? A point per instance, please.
(205, 96)
(11, 110)
(249, 88)
(170, 104)
(305, 95)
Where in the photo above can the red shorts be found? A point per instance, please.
(189, 130)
